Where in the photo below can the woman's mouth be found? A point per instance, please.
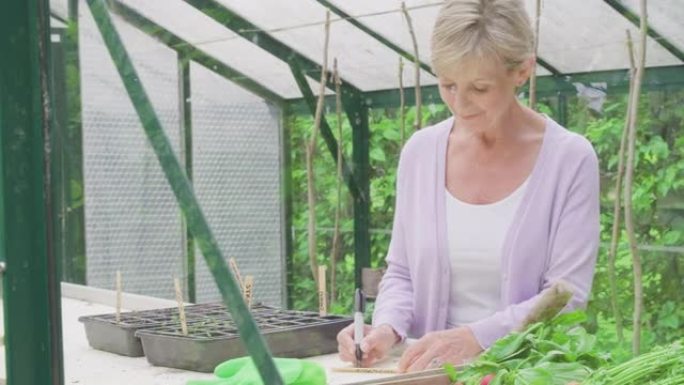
(469, 117)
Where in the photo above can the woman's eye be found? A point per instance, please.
(480, 90)
(449, 87)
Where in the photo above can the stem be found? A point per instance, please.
(402, 102)
(533, 75)
(416, 63)
(612, 276)
(311, 151)
(629, 174)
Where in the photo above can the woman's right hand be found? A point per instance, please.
(376, 343)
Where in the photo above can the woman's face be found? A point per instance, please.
(481, 92)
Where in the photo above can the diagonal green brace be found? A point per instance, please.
(196, 222)
(326, 132)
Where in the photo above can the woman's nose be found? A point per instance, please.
(461, 99)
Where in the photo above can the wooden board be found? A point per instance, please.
(428, 377)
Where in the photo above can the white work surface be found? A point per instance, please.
(84, 365)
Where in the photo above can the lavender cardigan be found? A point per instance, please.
(554, 235)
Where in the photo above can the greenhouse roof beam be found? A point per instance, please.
(256, 35)
(636, 20)
(654, 78)
(187, 50)
(352, 20)
(389, 44)
(554, 71)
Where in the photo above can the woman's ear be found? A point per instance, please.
(524, 71)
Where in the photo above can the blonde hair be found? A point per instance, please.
(481, 29)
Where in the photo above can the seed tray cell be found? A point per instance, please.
(288, 333)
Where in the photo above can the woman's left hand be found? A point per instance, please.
(454, 346)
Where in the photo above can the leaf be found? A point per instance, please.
(450, 370)
(377, 154)
(569, 319)
(534, 376)
(510, 345)
(391, 134)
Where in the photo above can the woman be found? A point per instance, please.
(493, 205)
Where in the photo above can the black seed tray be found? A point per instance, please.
(104, 333)
(288, 333)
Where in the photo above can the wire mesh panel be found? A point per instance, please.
(237, 178)
(132, 220)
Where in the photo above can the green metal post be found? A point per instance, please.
(72, 140)
(185, 105)
(562, 109)
(197, 223)
(357, 113)
(286, 175)
(33, 344)
(59, 182)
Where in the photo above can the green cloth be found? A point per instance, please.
(242, 371)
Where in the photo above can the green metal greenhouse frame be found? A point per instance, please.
(40, 147)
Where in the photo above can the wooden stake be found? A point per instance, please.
(118, 296)
(629, 175)
(615, 235)
(322, 292)
(236, 272)
(181, 307)
(365, 370)
(402, 103)
(416, 63)
(249, 287)
(533, 75)
(311, 151)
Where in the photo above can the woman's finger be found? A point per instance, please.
(425, 361)
(345, 338)
(411, 354)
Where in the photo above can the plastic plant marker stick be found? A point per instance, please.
(118, 296)
(236, 272)
(322, 292)
(181, 308)
(249, 289)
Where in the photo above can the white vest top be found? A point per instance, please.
(476, 235)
